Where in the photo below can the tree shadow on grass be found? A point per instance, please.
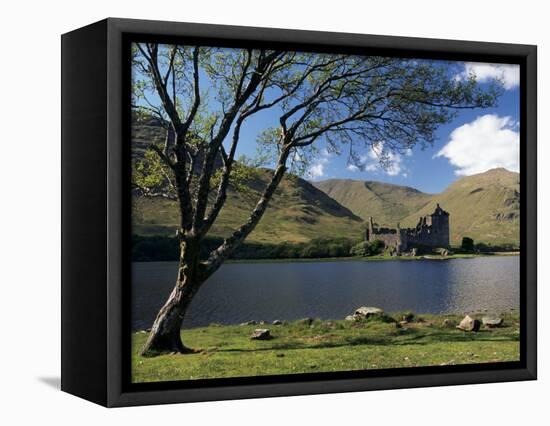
(411, 338)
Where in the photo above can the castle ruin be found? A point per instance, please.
(431, 231)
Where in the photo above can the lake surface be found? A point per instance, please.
(240, 292)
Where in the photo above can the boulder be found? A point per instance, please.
(492, 321)
(261, 334)
(251, 322)
(306, 321)
(469, 324)
(350, 318)
(408, 317)
(277, 322)
(365, 312)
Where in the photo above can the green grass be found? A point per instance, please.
(227, 351)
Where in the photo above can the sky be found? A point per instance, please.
(475, 141)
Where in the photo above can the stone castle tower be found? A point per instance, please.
(431, 231)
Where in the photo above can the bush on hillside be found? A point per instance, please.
(467, 244)
(367, 248)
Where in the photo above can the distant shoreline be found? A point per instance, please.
(373, 258)
(359, 259)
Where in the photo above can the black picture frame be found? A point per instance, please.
(95, 190)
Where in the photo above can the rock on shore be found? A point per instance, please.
(261, 334)
(469, 324)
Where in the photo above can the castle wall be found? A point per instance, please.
(440, 231)
(390, 240)
(431, 231)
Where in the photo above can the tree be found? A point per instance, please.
(205, 95)
(367, 248)
(467, 244)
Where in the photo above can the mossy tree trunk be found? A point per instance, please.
(165, 332)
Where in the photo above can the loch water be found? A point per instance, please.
(239, 292)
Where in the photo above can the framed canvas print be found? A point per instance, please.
(255, 212)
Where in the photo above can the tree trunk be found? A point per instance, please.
(165, 335)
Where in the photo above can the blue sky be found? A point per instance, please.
(475, 141)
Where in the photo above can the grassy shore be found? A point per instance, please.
(323, 346)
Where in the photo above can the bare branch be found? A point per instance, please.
(221, 194)
(162, 155)
(218, 255)
(167, 102)
(264, 61)
(170, 65)
(197, 96)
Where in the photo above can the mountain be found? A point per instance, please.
(386, 203)
(298, 212)
(484, 206)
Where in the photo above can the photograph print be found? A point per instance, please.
(298, 212)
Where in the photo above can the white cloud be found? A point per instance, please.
(487, 142)
(393, 162)
(507, 74)
(352, 168)
(317, 168)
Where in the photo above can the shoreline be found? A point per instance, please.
(376, 258)
(261, 323)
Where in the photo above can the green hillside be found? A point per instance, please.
(386, 203)
(298, 212)
(484, 207)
